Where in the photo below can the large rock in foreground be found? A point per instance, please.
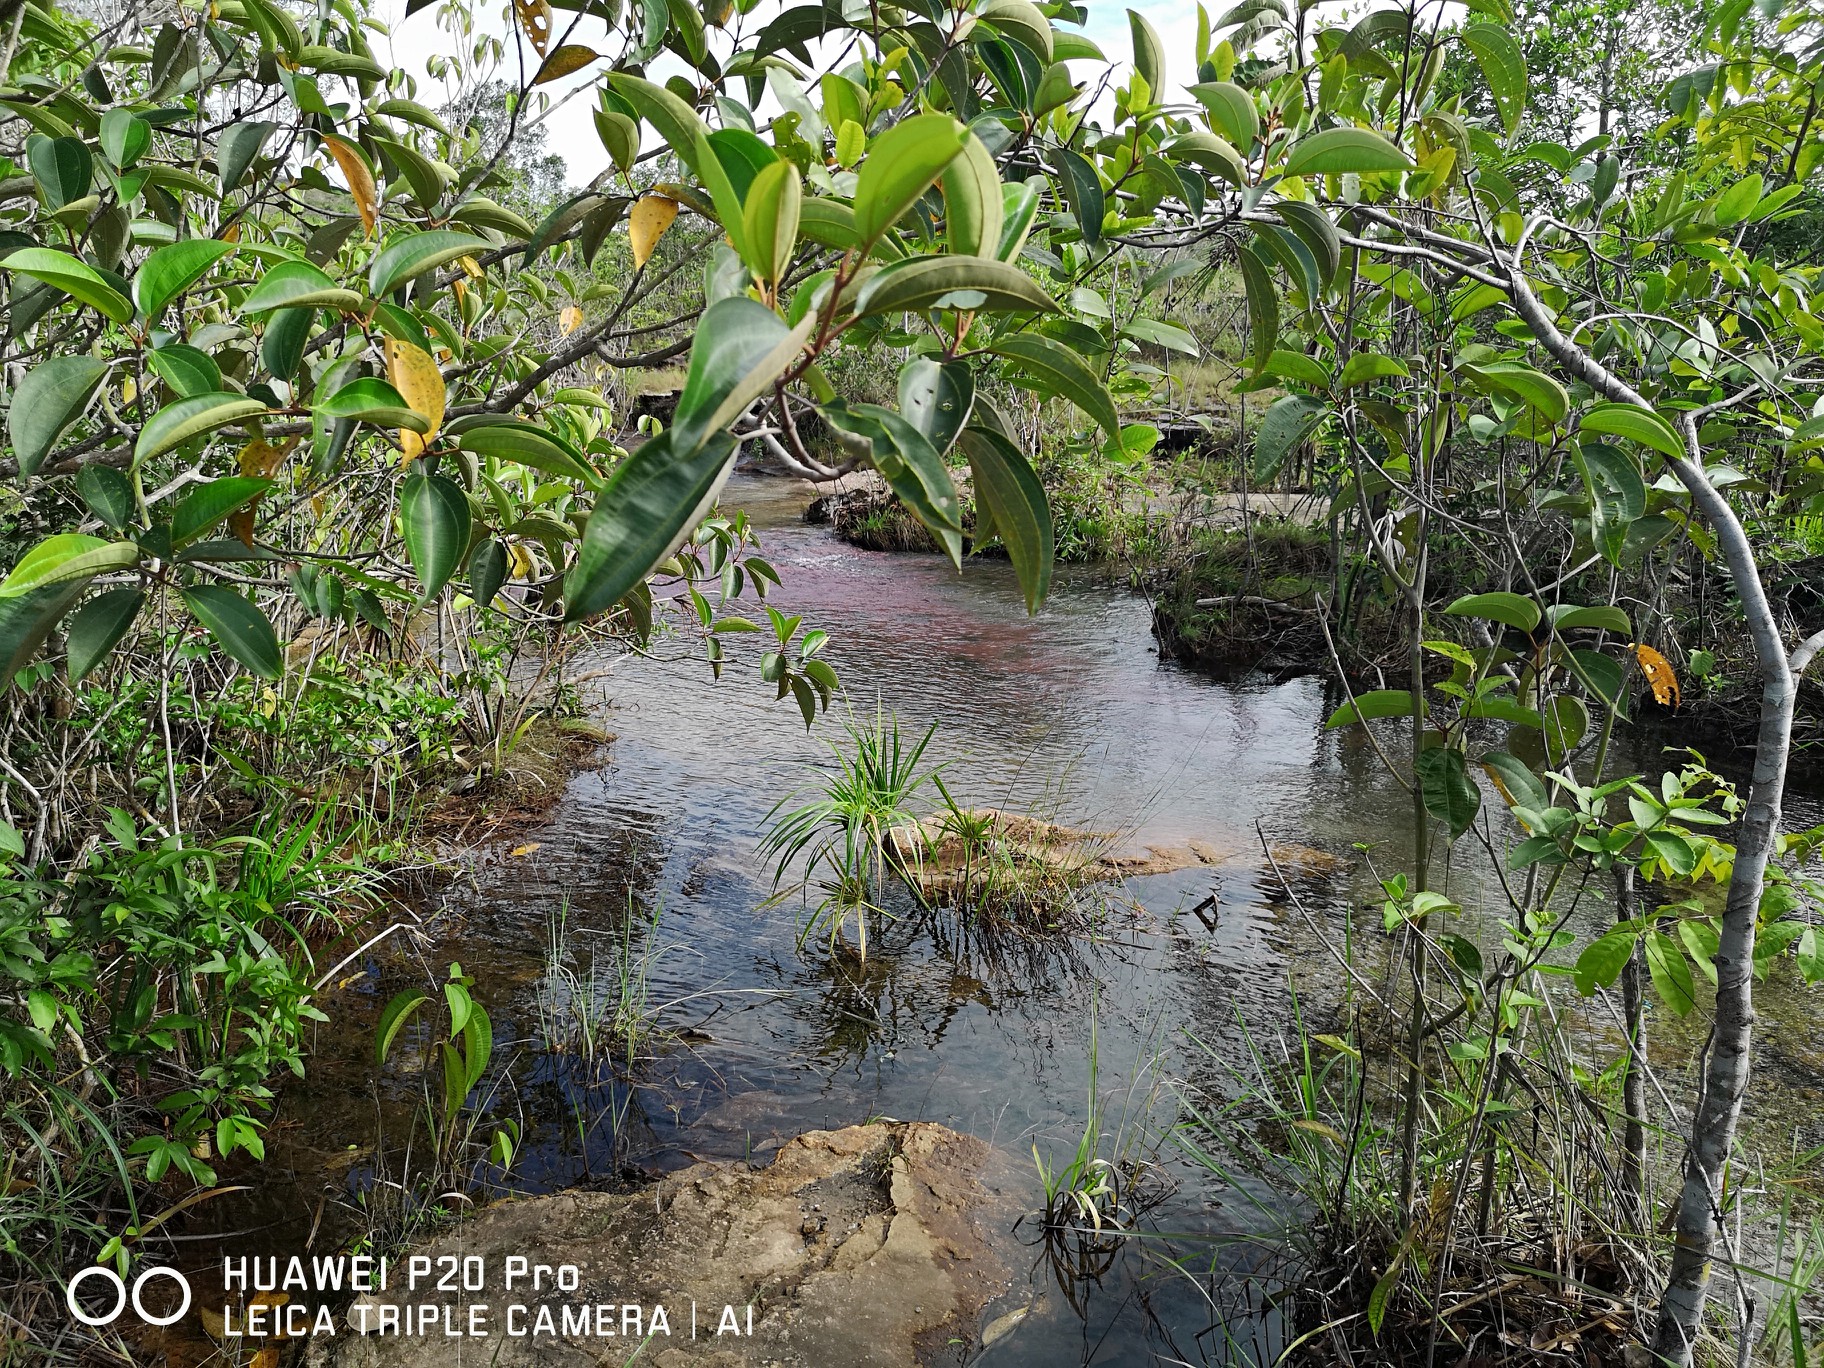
(867, 1246)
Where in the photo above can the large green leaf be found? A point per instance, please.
(298, 285)
(67, 557)
(1212, 153)
(655, 497)
(371, 400)
(527, 445)
(901, 165)
(124, 137)
(951, 282)
(1021, 22)
(1014, 496)
(178, 422)
(237, 147)
(51, 397)
(187, 369)
(1149, 55)
(742, 347)
(1450, 794)
(678, 124)
(169, 271)
(1289, 421)
(1519, 381)
(1232, 110)
(1337, 150)
(1375, 703)
(935, 397)
(1312, 226)
(1499, 606)
(408, 257)
(97, 627)
(487, 570)
(62, 167)
(1062, 372)
(911, 467)
(108, 493)
(238, 626)
(1083, 192)
(207, 504)
(1636, 424)
(27, 620)
(75, 278)
(1263, 307)
(1519, 785)
(974, 205)
(434, 515)
(1503, 67)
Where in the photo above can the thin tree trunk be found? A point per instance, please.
(1634, 1080)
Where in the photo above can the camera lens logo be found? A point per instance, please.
(122, 1297)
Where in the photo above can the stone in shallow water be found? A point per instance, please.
(866, 1247)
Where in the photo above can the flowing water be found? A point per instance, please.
(1070, 713)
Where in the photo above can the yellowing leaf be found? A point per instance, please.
(261, 459)
(568, 58)
(1660, 675)
(647, 224)
(128, 390)
(360, 180)
(266, 1358)
(213, 1321)
(535, 19)
(519, 562)
(529, 846)
(470, 267)
(240, 523)
(570, 319)
(415, 375)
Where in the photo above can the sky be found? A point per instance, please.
(571, 132)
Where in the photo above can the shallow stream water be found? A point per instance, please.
(1070, 714)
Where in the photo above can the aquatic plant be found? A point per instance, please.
(841, 840)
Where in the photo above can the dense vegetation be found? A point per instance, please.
(322, 461)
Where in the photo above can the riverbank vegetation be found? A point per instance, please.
(324, 469)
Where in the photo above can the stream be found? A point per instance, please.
(1070, 715)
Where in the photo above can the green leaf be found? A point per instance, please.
(282, 345)
(62, 167)
(1503, 67)
(27, 619)
(1289, 421)
(392, 1019)
(741, 348)
(1263, 307)
(186, 369)
(771, 220)
(108, 493)
(179, 422)
(901, 165)
(1149, 54)
(1637, 425)
(1062, 372)
(124, 137)
(97, 627)
(434, 515)
(1297, 367)
(951, 282)
(406, 258)
(911, 466)
(77, 279)
(974, 205)
(372, 400)
(1521, 787)
(1450, 794)
(207, 504)
(1602, 960)
(51, 397)
(1606, 618)
(1365, 367)
(1212, 153)
(1083, 192)
(1375, 703)
(1312, 226)
(530, 446)
(936, 398)
(1531, 387)
(487, 570)
(1499, 606)
(170, 271)
(1339, 150)
(1022, 23)
(1670, 971)
(238, 626)
(1019, 207)
(237, 147)
(298, 285)
(1015, 498)
(655, 497)
(1603, 677)
(1232, 109)
(67, 557)
(678, 124)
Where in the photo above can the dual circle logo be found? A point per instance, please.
(122, 1296)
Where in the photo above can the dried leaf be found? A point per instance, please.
(240, 523)
(1660, 675)
(261, 459)
(568, 58)
(570, 319)
(214, 1323)
(525, 849)
(414, 374)
(535, 19)
(647, 224)
(360, 178)
(267, 1357)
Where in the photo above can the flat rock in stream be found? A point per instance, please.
(865, 1247)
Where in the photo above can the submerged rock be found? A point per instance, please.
(863, 1247)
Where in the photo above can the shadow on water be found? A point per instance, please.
(765, 1039)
